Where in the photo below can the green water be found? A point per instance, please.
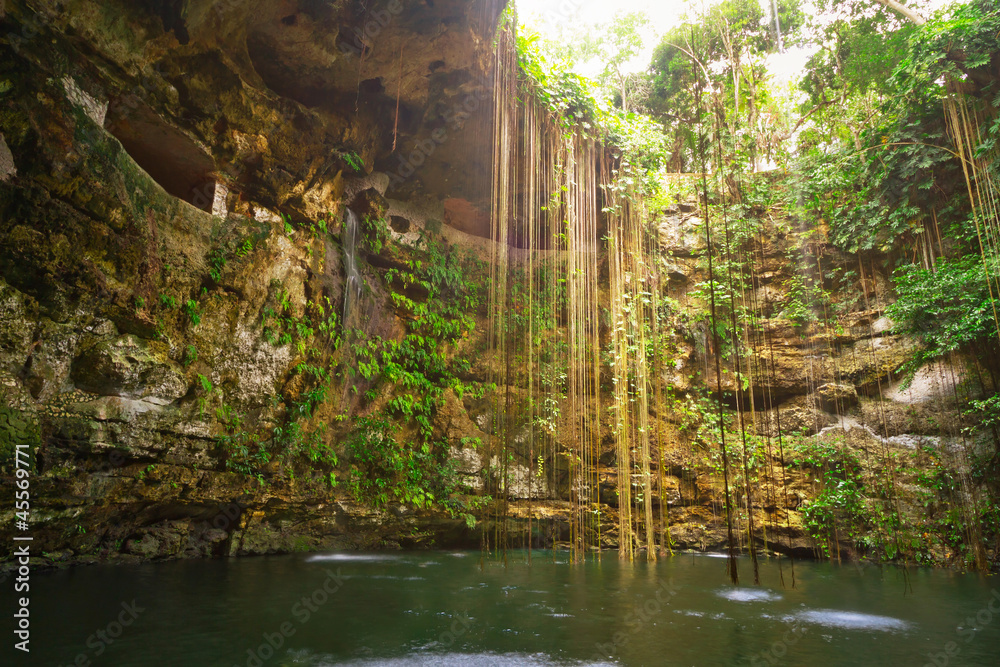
(443, 608)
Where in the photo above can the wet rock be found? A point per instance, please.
(47, 371)
(799, 415)
(7, 168)
(369, 204)
(836, 397)
(17, 429)
(453, 424)
(130, 367)
(16, 329)
(680, 236)
(933, 382)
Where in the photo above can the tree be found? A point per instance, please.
(724, 48)
(614, 44)
(910, 15)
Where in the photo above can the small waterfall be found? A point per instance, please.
(352, 282)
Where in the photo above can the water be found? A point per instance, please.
(440, 608)
(352, 284)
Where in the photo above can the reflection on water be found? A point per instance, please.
(448, 608)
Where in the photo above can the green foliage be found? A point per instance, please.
(237, 249)
(711, 68)
(844, 509)
(417, 367)
(192, 310)
(699, 416)
(953, 44)
(899, 175)
(944, 521)
(947, 309)
(353, 161)
(190, 355)
(250, 453)
(318, 324)
(207, 389)
(383, 469)
(20, 438)
(375, 233)
(216, 262)
(804, 300)
(580, 104)
(567, 94)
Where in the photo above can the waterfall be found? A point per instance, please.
(352, 279)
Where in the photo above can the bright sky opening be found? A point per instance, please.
(551, 16)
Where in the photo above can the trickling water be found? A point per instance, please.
(445, 609)
(352, 282)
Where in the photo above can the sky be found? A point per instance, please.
(549, 15)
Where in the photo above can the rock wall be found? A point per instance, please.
(173, 176)
(164, 167)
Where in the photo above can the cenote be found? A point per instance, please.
(320, 318)
(452, 608)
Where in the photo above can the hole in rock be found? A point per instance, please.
(288, 77)
(171, 158)
(351, 42)
(171, 13)
(436, 65)
(399, 224)
(372, 86)
(290, 19)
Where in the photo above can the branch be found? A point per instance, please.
(903, 11)
(690, 55)
(822, 105)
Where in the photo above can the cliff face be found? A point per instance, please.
(173, 184)
(165, 165)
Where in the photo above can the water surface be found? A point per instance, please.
(451, 609)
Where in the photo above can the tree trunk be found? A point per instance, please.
(903, 11)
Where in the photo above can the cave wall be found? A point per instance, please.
(144, 144)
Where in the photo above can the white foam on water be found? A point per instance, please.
(352, 558)
(454, 660)
(380, 576)
(850, 620)
(748, 595)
